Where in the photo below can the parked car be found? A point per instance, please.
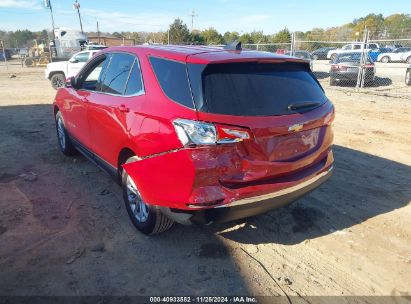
(393, 56)
(406, 57)
(321, 53)
(195, 134)
(408, 76)
(23, 53)
(303, 55)
(352, 48)
(6, 55)
(58, 72)
(375, 53)
(345, 68)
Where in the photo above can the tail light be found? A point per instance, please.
(195, 133)
(338, 67)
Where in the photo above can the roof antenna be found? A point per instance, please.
(233, 46)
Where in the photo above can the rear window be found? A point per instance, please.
(350, 57)
(254, 89)
(172, 77)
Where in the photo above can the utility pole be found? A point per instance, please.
(47, 4)
(76, 6)
(98, 33)
(363, 60)
(192, 15)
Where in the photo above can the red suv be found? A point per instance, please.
(198, 134)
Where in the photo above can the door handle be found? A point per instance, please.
(124, 109)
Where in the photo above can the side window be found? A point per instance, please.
(117, 73)
(134, 83)
(357, 47)
(346, 47)
(172, 77)
(90, 79)
(82, 57)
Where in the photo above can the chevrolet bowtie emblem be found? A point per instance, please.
(295, 128)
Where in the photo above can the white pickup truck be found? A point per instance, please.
(58, 72)
(352, 48)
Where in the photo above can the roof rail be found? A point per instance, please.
(233, 46)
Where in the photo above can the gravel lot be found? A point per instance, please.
(64, 229)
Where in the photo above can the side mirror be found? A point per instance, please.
(73, 61)
(71, 82)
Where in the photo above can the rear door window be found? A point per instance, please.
(172, 77)
(255, 89)
(134, 83)
(117, 73)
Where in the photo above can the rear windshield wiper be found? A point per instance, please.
(298, 106)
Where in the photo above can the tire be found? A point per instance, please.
(65, 144)
(408, 78)
(29, 62)
(332, 82)
(57, 80)
(315, 57)
(409, 60)
(146, 218)
(333, 56)
(385, 59)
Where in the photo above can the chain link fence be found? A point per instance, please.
(377, 66)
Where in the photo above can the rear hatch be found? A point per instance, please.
(281, 104)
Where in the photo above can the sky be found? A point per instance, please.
(223, 15)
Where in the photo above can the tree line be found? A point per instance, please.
(391, 27)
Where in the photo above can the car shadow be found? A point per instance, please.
(363, 186)
(376, 83)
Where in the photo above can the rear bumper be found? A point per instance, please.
(341, 76)
(253, 205)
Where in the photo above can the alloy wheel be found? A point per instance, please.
(138, 207)
(61, 133)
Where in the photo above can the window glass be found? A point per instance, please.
(82, 57)
(134, 84)
(117, 73)
(255, 89)
(357, 46)
(91, 78)
(350, 57)
(172, 77)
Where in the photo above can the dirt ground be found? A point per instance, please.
(64, 229)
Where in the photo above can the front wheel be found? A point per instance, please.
(409, 60)
(408, 78)
(315, 57)
(64, 141)
(333, 56)
(146, 218)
